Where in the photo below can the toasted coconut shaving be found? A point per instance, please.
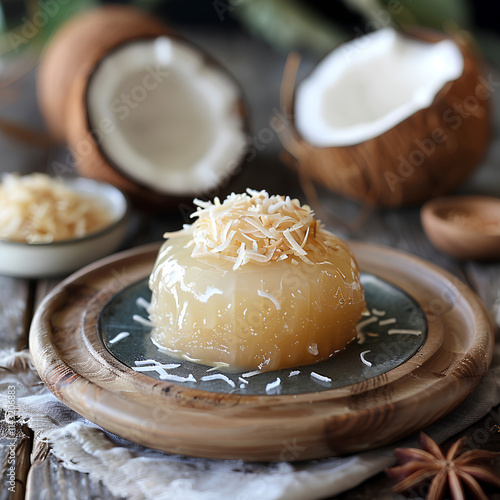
(36, 208)
(255, 227)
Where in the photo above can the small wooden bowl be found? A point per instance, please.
(465, 227)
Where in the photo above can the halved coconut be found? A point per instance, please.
(161, 115)
(154, 115)
(391, 119)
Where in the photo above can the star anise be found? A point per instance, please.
(454, 469)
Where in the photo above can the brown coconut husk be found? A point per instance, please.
(77, 47)
(392, 170)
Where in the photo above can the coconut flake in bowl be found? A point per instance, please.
(50, 227)
(38, 209)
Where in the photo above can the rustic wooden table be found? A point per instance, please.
(39, 475)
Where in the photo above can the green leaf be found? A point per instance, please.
(431, 13)
(287, 24)
(41, 19)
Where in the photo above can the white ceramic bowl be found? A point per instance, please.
(43, 260)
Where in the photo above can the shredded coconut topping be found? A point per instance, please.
(254, 226)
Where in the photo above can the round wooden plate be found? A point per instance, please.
(76, 366)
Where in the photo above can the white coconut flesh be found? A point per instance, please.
(371, 84)
(166, 118)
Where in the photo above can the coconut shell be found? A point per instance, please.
(426, 155)
(77, 47)
(92, 161)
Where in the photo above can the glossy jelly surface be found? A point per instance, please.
(263, 315)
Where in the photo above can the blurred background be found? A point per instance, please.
(312, 25)
(250, 37)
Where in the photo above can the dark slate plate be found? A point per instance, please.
(386, 351)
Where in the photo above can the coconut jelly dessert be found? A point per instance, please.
(254, 283)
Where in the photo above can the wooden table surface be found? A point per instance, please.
(259, 70)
